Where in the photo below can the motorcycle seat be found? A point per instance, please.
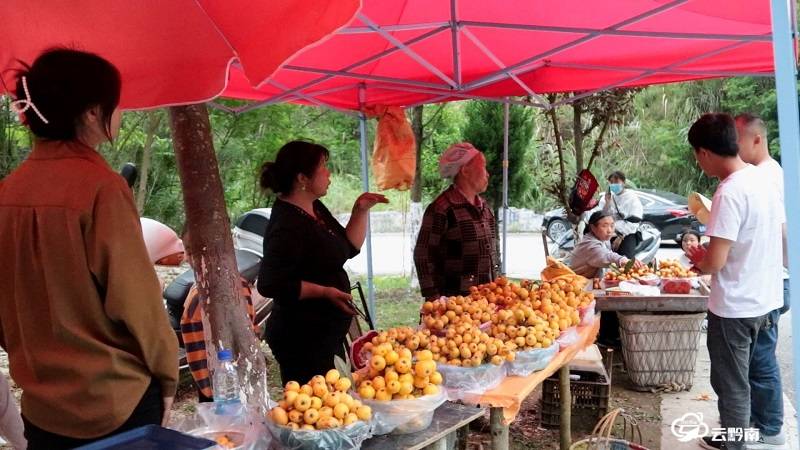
(644, 244)
(175, 294)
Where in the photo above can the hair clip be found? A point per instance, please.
(23, 104)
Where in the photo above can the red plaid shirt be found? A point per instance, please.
(457, 245)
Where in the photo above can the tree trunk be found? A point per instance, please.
(598, 143)
(562, 187)
(577, 134)
(153, 121)
(416, 125)
(216, 275)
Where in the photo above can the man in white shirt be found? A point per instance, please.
(766, 393)
(622, 204)
(745, 261)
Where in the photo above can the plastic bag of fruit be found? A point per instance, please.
(320, 414)
(244, 431)
(341, 438)
(404, 416)
(461, 382)
(587, 314)
(529, 361)
(568, 337)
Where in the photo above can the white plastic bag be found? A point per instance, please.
(404, 416)
(587, 314)
(462, 382)
(529, 361)
(246, 431)
(343, 438)
(568, 337)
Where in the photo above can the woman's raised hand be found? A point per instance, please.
(367, 200)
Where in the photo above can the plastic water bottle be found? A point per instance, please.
(226, 386)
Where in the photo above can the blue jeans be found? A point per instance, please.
(732, 345)
(766, 392)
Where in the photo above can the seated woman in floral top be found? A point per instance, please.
(593, 253)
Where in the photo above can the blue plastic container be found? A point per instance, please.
(150, 437)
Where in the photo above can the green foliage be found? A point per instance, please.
(646, 140)
(484, 129)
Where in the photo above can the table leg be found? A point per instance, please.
(565, 399)
(461, 437)
(499, 430)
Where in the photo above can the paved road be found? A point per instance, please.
(392, 256)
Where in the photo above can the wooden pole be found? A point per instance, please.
(498, 429)
(210, 240)
(565, 399)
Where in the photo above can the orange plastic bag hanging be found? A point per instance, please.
(394, 155)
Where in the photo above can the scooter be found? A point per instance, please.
(177, 291)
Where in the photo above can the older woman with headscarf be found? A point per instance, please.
(457, 243)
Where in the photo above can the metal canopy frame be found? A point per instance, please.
(443, 85)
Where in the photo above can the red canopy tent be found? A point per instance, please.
(170, 52)
(423, 51)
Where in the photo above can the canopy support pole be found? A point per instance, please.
(362, 131)
(505, 187)
(789, 131)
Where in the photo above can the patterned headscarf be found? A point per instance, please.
(455, 157)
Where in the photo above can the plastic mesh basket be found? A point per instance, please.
(660, 348)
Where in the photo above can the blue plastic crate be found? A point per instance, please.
(150, 437)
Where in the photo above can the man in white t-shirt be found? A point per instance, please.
(766, 393)
(744, 258)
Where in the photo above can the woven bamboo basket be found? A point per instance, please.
(660, 348)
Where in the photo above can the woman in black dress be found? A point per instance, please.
(305, 249)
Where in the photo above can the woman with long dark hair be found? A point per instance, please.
(81, 314)
(305, 249)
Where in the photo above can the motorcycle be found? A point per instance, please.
(177, 291)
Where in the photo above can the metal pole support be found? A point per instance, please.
(565, 401)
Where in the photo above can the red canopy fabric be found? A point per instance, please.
(517, 48)
(170, 51)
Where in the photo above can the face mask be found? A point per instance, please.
(615, 188)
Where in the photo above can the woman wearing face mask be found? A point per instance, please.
(622, 203)
(305, 249)
(81, 314)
